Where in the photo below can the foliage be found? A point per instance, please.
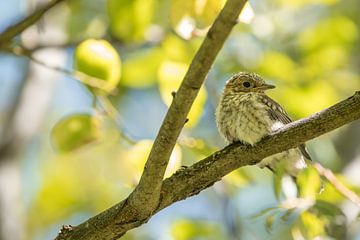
(308, 49)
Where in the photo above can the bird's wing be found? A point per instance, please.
(276, 112)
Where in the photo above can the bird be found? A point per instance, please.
(246, 114)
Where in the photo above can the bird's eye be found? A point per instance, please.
(246, 84)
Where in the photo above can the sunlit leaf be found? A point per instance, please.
(177, 49)
(285, 217)
(187, 16)
(206, 11)
(309, 182)
(83, 22)
(329, 32)
(327, 208)
(97, 58)
(304, 3)
(326, 59)
(265, 211)
(140, 68)
(196, 229)
(330, 194)
(310, 225)
(237, 178)
(130, 19)
(336, 226)
(138, 154)
(74, 131)
(87, 180)
(269, 222)
(278, 66)
(306, 100)
(170, 76)
(277, 180)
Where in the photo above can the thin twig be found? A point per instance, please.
(94, 82)
(14, 30)
(77, 75)
(339, 186)
(114, 114)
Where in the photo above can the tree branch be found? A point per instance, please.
(145, 197)
(19, 27)
(187, 182)
(190, 181)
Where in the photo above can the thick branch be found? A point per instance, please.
(190, 181)
(19, 27)
(203, 174)
(145, 197)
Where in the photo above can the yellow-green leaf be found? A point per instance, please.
(170, 77)
(309, 182)
(129, 20)
(98, 59)
(140, 68)
(75, 131)
(138, 154)
(196, 229)
(311, 226)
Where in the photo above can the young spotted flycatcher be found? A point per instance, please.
(246, 114)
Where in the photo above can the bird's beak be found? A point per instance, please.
(266, 86)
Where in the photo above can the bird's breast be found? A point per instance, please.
(243, 118)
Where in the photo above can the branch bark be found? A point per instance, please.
(145, 197)
(190, 181)
(19, 27)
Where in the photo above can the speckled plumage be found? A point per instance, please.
(245, 113)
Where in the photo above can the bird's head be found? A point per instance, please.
(245, 82)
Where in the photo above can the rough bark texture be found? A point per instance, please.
(190, 181)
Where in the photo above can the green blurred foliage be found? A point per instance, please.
(196, 230)
(308, 49)
(75, 131)
(129, 19)
(98, 59)
(148, 60)
(86, 19)
(311, 226)
(309, 183)
(202, 13)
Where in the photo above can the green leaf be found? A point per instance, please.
(170, 77)
(336, 226)
(286, 215)
(196, 229)
(187, 16)
(264, 212)
(277, 181)
(129, 19)
(327, 208)
(74, 131)
(98, 59)
(311, 226)
(333, 31)
(309, 182)
(269, 222)
(149, 61)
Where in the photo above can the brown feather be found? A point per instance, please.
(276, 112)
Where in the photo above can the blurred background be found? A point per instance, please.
(66, 156)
